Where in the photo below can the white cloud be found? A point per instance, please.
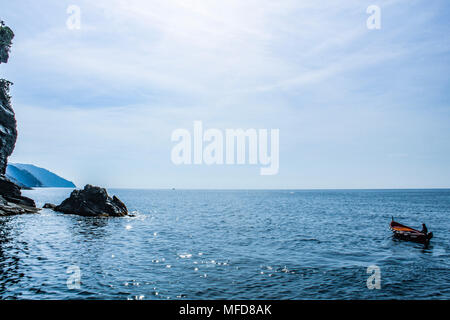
(200, 47)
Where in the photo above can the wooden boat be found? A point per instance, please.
(407, 233)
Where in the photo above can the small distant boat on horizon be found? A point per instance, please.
(403, 232)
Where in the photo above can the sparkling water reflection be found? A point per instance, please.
(183, 244)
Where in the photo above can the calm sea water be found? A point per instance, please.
(184, 244)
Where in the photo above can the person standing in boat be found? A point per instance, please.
(424, 229)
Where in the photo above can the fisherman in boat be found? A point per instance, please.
(424, 229)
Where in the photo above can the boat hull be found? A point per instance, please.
(406, 233)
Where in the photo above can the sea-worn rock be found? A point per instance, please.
(11, 192)
(11, 200)
(92, 201)
(49, 206)
(8, 208)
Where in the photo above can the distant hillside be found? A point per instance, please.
(22, 177)
(29, 176)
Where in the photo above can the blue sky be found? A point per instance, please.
(356, 108)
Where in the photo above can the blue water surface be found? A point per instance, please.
(223, 244)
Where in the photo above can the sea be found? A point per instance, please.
(230, 244)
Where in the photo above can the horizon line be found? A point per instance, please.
(256, 189)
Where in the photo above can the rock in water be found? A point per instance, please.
(11, 192)
(49, 206)
(11, 200)
(92, 201)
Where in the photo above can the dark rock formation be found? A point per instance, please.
(8, 131)
(11, 192)
(49, 206)
(6, 36)
(11, 200)
(92, 201)
(8, 208)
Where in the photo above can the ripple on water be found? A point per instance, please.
(229, 244)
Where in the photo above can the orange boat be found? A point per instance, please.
(407, 233)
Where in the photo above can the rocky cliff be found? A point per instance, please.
(11, 200)
(8, 132)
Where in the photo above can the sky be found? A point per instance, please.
(355, 107)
